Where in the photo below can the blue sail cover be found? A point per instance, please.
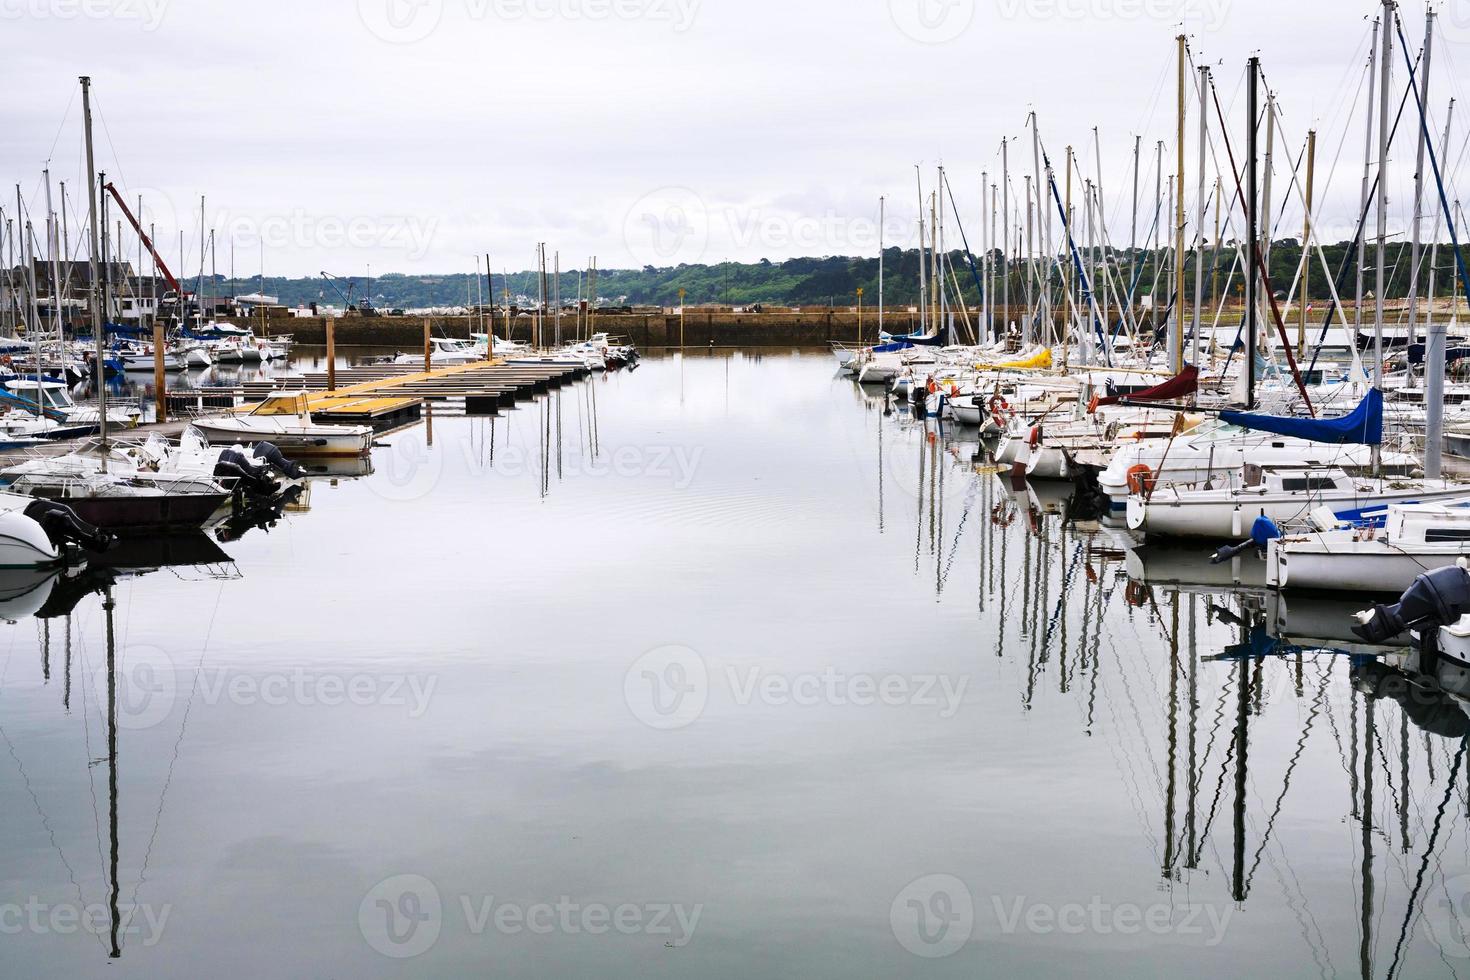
(1364, 426)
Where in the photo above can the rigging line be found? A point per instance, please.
(65, 114)
(1225, 762)
(178, 742)
(1258, 260)
(1301, 744)
(116, 160)
(46, 823)
(86, 714)
(1428, 850)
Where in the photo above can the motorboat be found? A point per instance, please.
(1364, 558)
(1287, 495)
(284, 419)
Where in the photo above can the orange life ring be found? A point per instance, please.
(998, 409)
(1140, 478)
(1033, 438)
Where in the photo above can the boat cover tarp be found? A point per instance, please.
(893, 347)
(1363, 426)
(1041, 359)
(936, 339)
(1417, 353)
(1183, 383)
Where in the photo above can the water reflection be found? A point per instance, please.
(1141, 729)
(1219, 697)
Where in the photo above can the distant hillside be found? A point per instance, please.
(800, 282)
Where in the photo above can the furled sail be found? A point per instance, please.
(1364, 425)
(1183, 383)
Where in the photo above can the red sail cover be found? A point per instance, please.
(1183, 383)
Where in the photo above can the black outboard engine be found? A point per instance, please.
(287, 467)
(1436, 599)
(256, 479)
(63, 526)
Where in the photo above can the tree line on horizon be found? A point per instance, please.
(835, 280)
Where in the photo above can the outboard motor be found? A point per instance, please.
(1264, 529)
(256, 479)
(1436, 599)
(286, 467)
(63, 526)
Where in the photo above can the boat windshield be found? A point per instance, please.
(281, 405)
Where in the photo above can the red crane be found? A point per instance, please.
(162, 265)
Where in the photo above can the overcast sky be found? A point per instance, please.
(413, 135)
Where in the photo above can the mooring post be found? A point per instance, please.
(158, 392)
(331, 355)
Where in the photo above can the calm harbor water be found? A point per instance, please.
(715, 668)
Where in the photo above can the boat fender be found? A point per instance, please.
(1437, 598)
(272, 455)
(62, 526)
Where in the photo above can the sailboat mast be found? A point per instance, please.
(881, 204)
(94, 298)
(1200, 212)
(1385, 68)
(1102, 228)
(1030, 269)
(1416, 246)
(1367, 179)
(1043, 234)
(1438, 214)
(1251, 275)
(1306, 269)
(1179, 216)
(923, 285)
(1005, 222)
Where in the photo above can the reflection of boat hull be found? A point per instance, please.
(339, 466)
(1160, 564)
(24, 591)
